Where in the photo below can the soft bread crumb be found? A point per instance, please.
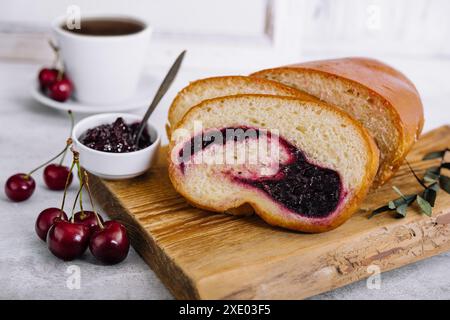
(327, 137)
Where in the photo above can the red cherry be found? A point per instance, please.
(61, 90)
(55, 176)
(45, 220)
(47, 77)
(110, 245)
(67, 240)
(87, 218)
(19, 187)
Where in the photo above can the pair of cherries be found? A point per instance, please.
(55, 84)
(53, 81)
(68, 239)
(21, 186)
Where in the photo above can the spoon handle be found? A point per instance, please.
(165, 85)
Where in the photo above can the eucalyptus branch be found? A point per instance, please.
(425, 199)
(415, 175)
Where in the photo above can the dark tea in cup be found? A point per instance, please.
(107, 27)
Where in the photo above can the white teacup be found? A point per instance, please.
(105, 69)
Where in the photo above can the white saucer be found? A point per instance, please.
(142, 98)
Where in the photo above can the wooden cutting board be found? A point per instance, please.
(203, 255)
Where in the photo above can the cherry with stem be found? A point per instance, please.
(48, 76)
(56, 174)
(109, 243)
(53, 81)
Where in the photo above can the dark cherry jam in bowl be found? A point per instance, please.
(116, 137)
(106, 144)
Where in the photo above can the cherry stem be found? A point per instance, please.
(57, 60)
(60, 73)
(76, 158)
(72, 218)
(68, 139)
(55, 49)
(66, 185)
(49, 161)
(64, 155)
(80, 177)
(76, 161)
(86, 179)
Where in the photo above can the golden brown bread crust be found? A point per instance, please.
(277, 220)
(397, 92)
(224, 80)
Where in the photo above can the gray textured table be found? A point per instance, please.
(30, 133)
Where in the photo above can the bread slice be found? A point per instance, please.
(383, 99)
(301, 165)
(214, 87)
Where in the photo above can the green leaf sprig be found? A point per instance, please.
(433, 180)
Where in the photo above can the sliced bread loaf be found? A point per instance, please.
(382, 98)
(301, 165)
(214, 87)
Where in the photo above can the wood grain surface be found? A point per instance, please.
(204, 255)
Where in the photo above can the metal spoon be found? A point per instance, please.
(165, 85)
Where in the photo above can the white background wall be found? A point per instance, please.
(400, 27)
(252, 32)
(207, 17)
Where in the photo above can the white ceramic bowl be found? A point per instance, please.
(114, 166)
